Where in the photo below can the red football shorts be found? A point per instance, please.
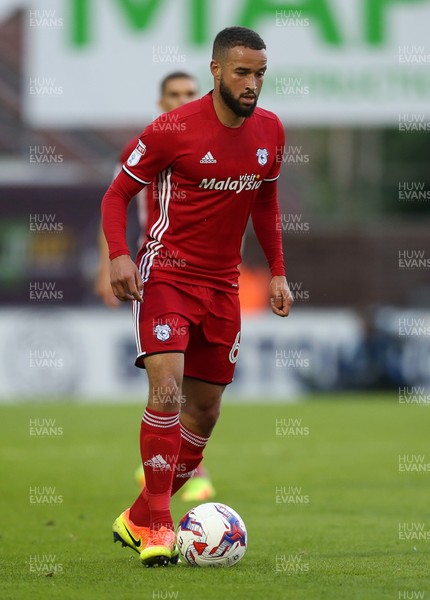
(199, 321)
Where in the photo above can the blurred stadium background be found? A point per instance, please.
(350, 80)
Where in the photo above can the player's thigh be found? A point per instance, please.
(165, 374)
(201, 404)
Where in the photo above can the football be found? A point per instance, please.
(212, 535)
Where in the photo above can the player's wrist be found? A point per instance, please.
(278, 272)
(118, 253)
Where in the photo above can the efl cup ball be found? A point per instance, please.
(212, 535)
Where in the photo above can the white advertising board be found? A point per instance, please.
(89, 354)
(98, 63)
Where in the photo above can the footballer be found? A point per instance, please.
(223, 158)
(176, 89)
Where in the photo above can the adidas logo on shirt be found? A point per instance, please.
(157, 462)
(208, 158)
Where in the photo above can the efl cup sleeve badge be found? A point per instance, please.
(262, 155)
(162, 332)
(137, 154)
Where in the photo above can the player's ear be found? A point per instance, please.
(215, 69)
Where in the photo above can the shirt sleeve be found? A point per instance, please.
(266, 221)
(154, 151)
(114, 213)
(266, 215)
(279, 153)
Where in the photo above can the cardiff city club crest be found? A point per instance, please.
(262, 155)
(162, 332)
(137, 154)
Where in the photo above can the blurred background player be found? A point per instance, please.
(175, 89)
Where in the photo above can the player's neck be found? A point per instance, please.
(224, 113)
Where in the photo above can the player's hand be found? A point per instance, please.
(281, 298)
(103, 288)
(125, 279)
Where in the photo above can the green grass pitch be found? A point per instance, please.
(340, 540)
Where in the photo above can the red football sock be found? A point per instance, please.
(190, 456)
(139, 511)
(160, 440)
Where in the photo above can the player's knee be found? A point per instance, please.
(165, 394)
(211, 418)
(205, 419)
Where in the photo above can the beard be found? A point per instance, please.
(233, 104)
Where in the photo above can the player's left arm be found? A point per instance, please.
(266, 220)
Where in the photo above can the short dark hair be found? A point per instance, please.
(174, 75)
(236, 36)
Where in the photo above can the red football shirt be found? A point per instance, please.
(145, 198)
(210, 178)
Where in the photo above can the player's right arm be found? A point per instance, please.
(154, 152)
(125, 278)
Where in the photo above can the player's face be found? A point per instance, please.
(178, 92)
(241, 78)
